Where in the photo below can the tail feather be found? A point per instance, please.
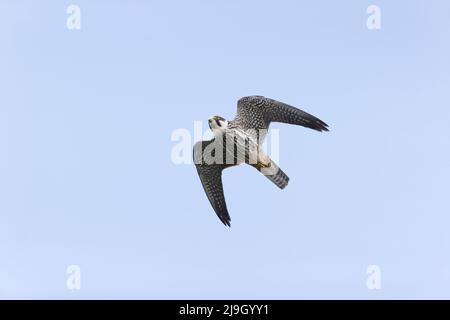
(274, 174)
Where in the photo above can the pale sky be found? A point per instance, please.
(86, 177)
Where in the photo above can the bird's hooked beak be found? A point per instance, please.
(216, 122)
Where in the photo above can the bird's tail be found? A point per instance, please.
(273, 173)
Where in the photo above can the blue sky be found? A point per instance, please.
(86, 177)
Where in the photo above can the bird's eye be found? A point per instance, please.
(218, 123)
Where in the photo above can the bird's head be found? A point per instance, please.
(217, 124)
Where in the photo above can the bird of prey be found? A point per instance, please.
(239, 141)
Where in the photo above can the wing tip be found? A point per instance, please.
(226, 221)
(321, 126)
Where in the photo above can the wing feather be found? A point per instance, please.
(257, 112)
(211, 178)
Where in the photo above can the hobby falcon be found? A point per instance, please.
(239, 141)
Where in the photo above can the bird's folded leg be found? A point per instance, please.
(263, 160)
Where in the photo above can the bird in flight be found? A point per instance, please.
(239, 141)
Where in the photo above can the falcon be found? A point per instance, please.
(240, 141)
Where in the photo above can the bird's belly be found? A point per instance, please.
(241, 148)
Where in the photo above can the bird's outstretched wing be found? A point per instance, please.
(210, 173)
(257, 112)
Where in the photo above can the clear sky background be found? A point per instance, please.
(86, 177)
